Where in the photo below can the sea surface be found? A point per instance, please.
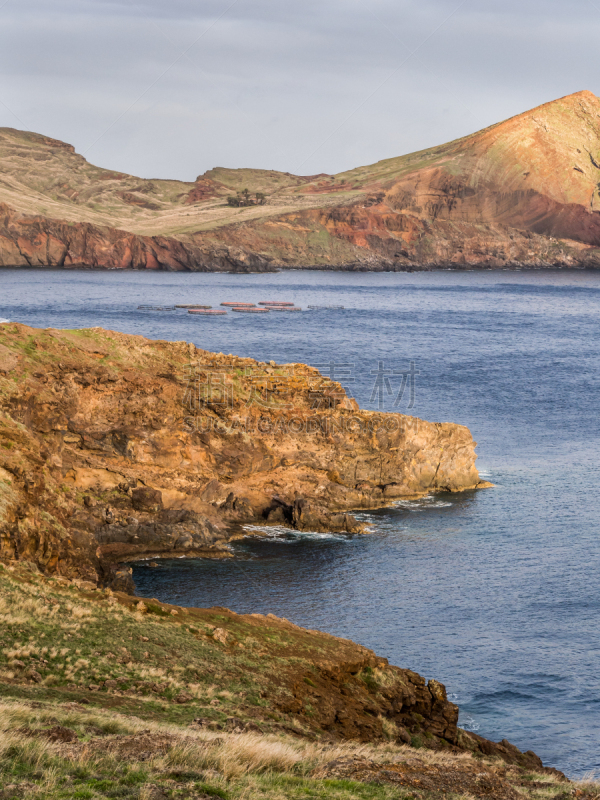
(495, 593)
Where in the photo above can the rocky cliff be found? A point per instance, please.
(38, 241)
(114, 447)
(523, 192)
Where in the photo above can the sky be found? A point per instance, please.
(172, 88)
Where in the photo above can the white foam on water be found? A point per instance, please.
(283, 534)
(429, 501)
(377, 523)
(470, 724)
(3, 321)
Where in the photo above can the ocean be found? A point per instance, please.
(495, 593)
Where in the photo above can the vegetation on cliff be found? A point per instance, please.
(244, 198)
(105, 695)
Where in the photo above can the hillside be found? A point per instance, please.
(522, 192)
(103, 695)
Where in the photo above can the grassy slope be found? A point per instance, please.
(42, 176)
(58, 639)
(541, 142)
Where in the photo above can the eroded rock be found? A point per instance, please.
(165, 471)
(147, 499)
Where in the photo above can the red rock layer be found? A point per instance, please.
(36, 241)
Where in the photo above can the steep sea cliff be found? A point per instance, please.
(119, 447)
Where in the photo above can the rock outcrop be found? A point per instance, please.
(114, 447)
(287, 680)
(451, 777)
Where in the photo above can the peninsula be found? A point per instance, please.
(115, 447)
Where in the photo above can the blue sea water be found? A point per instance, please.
(495, 593)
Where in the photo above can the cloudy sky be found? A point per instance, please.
(171, 88)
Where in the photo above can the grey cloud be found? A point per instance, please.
(312, 87)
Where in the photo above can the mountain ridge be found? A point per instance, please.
(521, 192)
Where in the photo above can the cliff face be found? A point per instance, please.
(523, 192)
(375, 237)
(114, 447)
(36, 241)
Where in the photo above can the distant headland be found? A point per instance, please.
(521, 193)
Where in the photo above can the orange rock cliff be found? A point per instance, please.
(114, 447)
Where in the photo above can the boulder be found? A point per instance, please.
(309, 517)
(147, 499)
(122, 580)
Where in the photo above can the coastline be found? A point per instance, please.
(340, 268)
(274, 680)
(487, 438)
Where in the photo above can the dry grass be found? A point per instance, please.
(233, 754)
(112, 641)
(229, 765)
(101, 195)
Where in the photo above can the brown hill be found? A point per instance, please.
(523, 192)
